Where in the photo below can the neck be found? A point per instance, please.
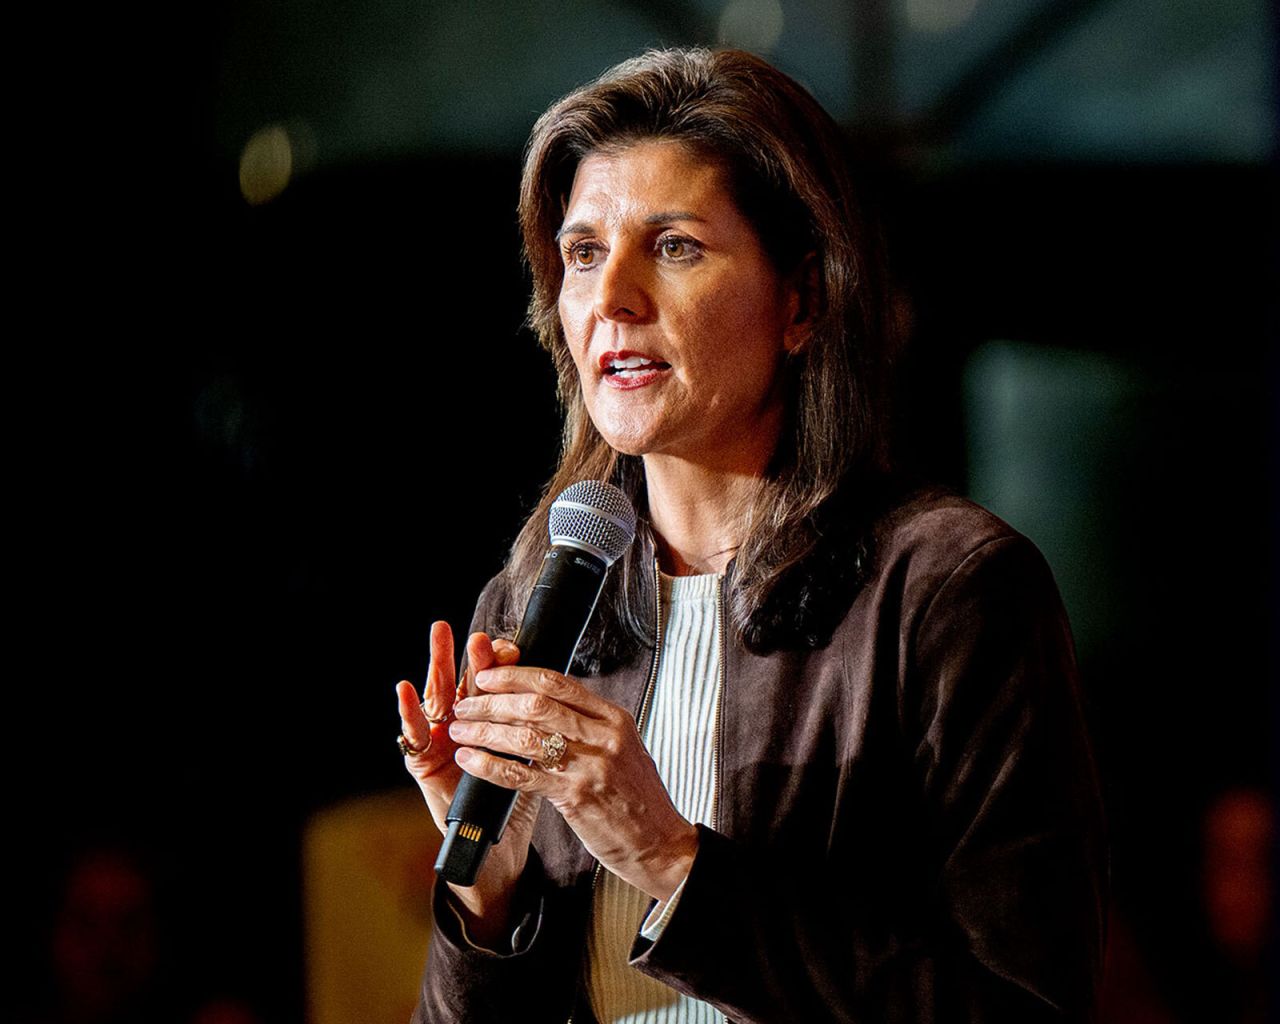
(698, 514)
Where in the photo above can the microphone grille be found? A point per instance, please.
(594, 515)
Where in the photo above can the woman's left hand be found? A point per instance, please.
(606, 787)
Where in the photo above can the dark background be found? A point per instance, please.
(262, 447)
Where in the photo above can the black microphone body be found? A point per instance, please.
(559, 608)
(557, 613)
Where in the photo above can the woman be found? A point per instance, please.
(823, 754)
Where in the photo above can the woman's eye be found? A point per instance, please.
(678, 249)
(581, 254)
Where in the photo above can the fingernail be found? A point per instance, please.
(463, 756)
(461, 709)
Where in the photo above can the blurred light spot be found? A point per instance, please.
(938, 15)
(1239, 835)
(266, 164)
(751, 24)
(1042, 426)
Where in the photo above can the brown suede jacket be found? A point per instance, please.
(909, 825)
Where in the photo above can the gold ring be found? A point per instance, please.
(553, 748)
(433, 721)
(407, 748)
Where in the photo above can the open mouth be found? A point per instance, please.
(627, 367)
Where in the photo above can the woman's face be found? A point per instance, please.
(675, 317)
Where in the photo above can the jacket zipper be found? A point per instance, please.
(641, 714)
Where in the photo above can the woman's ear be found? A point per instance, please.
(804, 298)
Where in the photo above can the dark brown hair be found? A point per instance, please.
(784, 160)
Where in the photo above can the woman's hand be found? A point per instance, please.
(424, 725)
(606, 787)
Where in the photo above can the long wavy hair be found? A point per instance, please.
(805, 532)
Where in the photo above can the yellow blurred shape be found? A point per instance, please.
(367, 876)
(266, 164)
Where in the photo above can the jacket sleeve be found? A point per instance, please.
(532, 983)
(1009, 925)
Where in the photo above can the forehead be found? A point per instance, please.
(639, 180)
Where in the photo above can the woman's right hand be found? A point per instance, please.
(425, 725)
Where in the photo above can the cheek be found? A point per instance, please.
(739, 340)
(579, 348)
(576, 295)
(575, 318)
(578, 353)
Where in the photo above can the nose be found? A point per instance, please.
(622, 289)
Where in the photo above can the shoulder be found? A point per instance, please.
(934, 532)
(882, 546)
(938, 553)
(932, 522)
(962, 612)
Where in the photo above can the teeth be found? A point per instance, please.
(630, 363)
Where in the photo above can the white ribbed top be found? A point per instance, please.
(679, 733)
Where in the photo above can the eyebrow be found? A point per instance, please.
(581, 227)
(665, 218)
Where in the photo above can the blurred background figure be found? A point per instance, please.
(225, 1011)
(105, 945)
(106, 942)
(106, 959)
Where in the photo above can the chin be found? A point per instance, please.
(626, 445)
(628, 436)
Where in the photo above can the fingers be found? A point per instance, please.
(480, 656)
(502, 771)
(423, 723)
(438, 694)
(514, 719)
(551, 685)
(413, 722)
(525, 709)
(479, 652)
(517, 740)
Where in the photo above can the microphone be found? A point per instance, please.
(591, 525)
